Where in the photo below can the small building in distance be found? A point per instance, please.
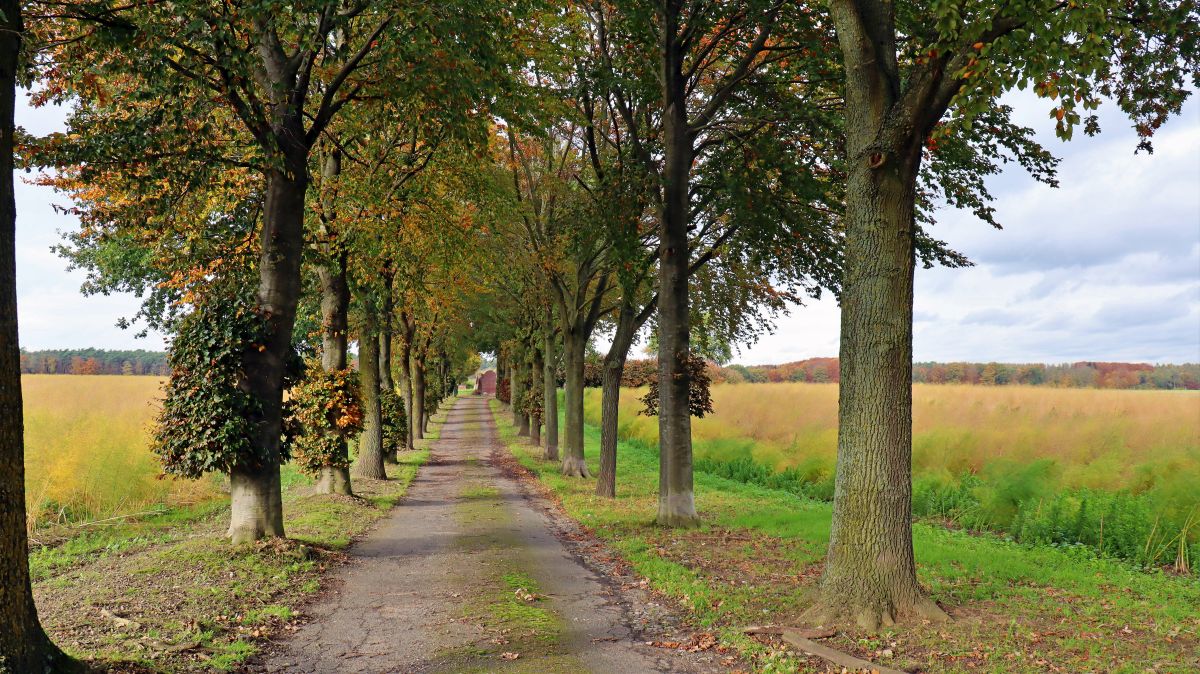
(485, 383)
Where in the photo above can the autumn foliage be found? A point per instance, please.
(322, 412)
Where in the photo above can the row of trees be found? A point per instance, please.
(692, 166)
(94, 361)
(277, 178)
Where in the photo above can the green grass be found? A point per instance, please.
(1115, 471)
(757, 556)
(183, 583)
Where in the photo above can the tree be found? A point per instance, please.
(24, 646)
(907, 65)
(253, 88)
(280, 74)
(721, 104)
(545, 169)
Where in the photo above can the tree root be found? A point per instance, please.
(871, 616)
(573, 467)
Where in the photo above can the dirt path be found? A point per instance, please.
(468, 575)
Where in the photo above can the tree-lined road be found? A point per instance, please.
(431, 589)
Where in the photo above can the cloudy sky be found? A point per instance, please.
(1107, 267)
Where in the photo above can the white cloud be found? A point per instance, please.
(51, 312)
(1105, 268)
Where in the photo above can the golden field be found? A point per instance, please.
(1101, 439)
(86, 449)
(1116, 470)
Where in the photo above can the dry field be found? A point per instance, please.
(1024, 460)
(86, 454)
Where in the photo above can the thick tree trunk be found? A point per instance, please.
(610, 398)
(870, 573)
(256, 508)
(573, 463)
(335, 304)
(550, 393)
(334, 480)
(370, 442)
(24, 646)
(676, 503)
(418, 415)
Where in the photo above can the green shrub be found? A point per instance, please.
(395, 422)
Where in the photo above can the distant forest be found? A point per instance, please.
(94, 361)
(1084, 374)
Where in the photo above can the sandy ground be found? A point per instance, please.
(415, 597)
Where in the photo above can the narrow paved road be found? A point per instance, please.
(468, 575)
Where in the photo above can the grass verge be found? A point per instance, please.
(169, 593)
(757, 555)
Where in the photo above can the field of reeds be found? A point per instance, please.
(1115, 471)
(86, 450)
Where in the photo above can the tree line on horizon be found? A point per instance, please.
(95, 361)
(1080, 374)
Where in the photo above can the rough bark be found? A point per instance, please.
(870, 573)
(523, 421)
(515, 392)
(676, 504)
(370, 442)
(610, 397)
(335, 305)
(573, 463)
(417, 418)
(536, 376)
(385, 334)
(406, 382)
(550, 393)
(256, 505)
(24, 646)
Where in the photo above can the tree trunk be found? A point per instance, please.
(536, 376)
(24, 646)
(515, 391)
(870, 574)
(522, 372)
(610, 398)
(418, 416)
(676, 503)
(256, 507)
(573, 463)
(370, 441)
(335, 301)
(385, 333)
(335, 304)
(550, 392)
(406, 385)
